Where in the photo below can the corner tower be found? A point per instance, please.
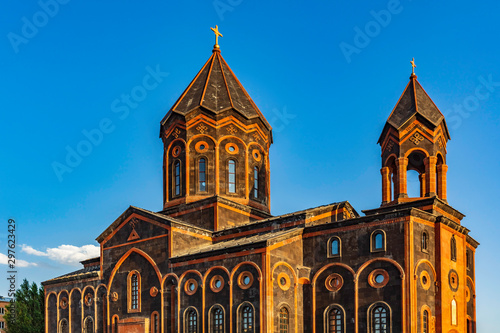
(414, 138)
(216, 151)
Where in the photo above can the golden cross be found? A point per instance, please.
(412, 62)
(217, 34)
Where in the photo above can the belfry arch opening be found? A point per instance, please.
(415, 174)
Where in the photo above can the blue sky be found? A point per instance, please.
(325, 87)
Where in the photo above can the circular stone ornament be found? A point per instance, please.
(334, 282)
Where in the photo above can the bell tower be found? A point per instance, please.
(216, 151)
(414, 138)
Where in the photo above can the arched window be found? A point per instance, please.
(191, 321)
(378, 241)
(231, 176)
(246, 319)
(335, 320)
(202, 184)
(155, 323)
(88, 325)
(453, 312)
(453, 248)
(177, 178)
(284, 320)
(217, 320)
(114, 329)
(255, 182)
(425, 241)
(380, 319)
(63, 326)
(468, 259)
(334, 247)
(425, 322)
(134, 292)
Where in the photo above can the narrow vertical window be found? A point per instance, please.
(468, 259)
(134, 294)
(255, 182)
(284, 320)
(246, 319)
(231, 168)
(217, 320)
(380, 322)
(192, 321)
(334, 248)
(453, 312)
(453, 248)
(335, 321)
(202, 175)
(378, 241)
(425, 240)
(177, 178)
(155, 324)
(425, 322)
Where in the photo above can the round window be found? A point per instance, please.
(88, 299)
(64, 303)
(232, 148)
(245, 280)
(378, 278)
(425, 280)
(176, 151)
(284, 281)
(217, 283)
(334, 282)
(201, 146)
(191, 286)
(256, 155)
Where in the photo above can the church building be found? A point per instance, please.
(214, 260)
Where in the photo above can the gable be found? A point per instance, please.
(134, 229)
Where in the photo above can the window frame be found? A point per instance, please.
(287, 329)
(326, 317)
(211, 318)
(156, 329)
(229, 173)
(425, 242)
(453, 248)
(371, 313)
(373, 241)
(187, 312)
(198, 174)
(256, 182)
(240, 317)
(174, 178)
(130, 308)
(59, 328)
(329, 249)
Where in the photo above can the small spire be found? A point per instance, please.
(412, 62)
(217, 34)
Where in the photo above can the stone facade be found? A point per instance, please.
(215, 260)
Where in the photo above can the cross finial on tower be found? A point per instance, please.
(412, 62)
(217, 34)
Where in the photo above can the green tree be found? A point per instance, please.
(25, 314)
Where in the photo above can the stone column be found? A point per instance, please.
(402, 164)
(386, 185)
(430, 172)
(442, 169)
(422, 184)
